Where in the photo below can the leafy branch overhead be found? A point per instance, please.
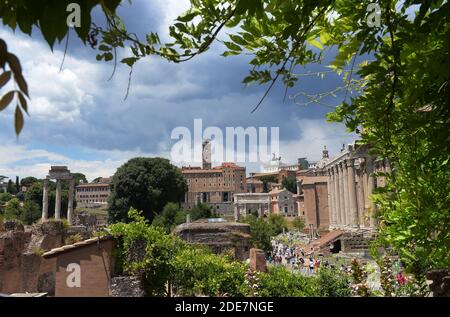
(50, 18)
(10, 65)
(400, 105)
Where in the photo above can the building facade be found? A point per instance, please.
(277, 201)
(93, 195)
(313, 201)
(246, 204)
(282, 202)
(215, 186)
(350, 182)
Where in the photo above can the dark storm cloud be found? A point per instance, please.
(165, 95)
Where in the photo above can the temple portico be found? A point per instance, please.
(59, 173)
(351, 181)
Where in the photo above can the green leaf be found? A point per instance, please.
(324, 37)
(187, 16)
(316, 43)
(129, 61)
(104, 48)
(111, 5)
(232, 46)
(238, 40)
(230, 53)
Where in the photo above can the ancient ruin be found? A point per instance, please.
(58, 173)
(221, 236)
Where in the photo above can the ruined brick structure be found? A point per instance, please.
(221, 237)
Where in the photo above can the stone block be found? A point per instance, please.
(258, 260)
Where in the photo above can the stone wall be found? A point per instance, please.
(440, 287)
(22, 268)
(46, 236)
(220, 236)
(90, 221)
(126, 286)
(356, 242)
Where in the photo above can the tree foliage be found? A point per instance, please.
(290, 183)
(298, 223)
(200, 272)
(12, 209)
(146, 184)
(280, 282)
(28, 181)
(333, 283)
(171, 216)
(165, 262)
(266, 179)
(200, 211)
(49, 17)
(263, 229)
(30, 212)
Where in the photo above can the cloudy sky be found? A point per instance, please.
(80, 119)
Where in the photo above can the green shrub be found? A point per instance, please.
(38, 251)
(74, 238)
(200, 272)
(280, 282)
(332, 283)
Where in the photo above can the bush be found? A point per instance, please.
(261, 232)
(5, 197)
(146, 251)
(74, 239)
(30, 212)
(280, 282)
(332, 283)
(200, 211)
(298, 223)
(278, 223)
(171, 216)
(13, 209)
(200, 272)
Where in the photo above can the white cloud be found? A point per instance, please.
(56, 96)
(22, 161)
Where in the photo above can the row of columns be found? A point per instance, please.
(348, 191)
(58, 201)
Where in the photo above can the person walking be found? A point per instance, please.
(311, 265)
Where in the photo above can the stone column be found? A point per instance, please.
(236, 212)
(58, 200)
(299, 187)
(333, 199)
(70, 202)
(330, 207)
(336, 195)
(370, 187)
(45, 201)
(361, 202)
(353, 206)
(341, 195)
(347, 219)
